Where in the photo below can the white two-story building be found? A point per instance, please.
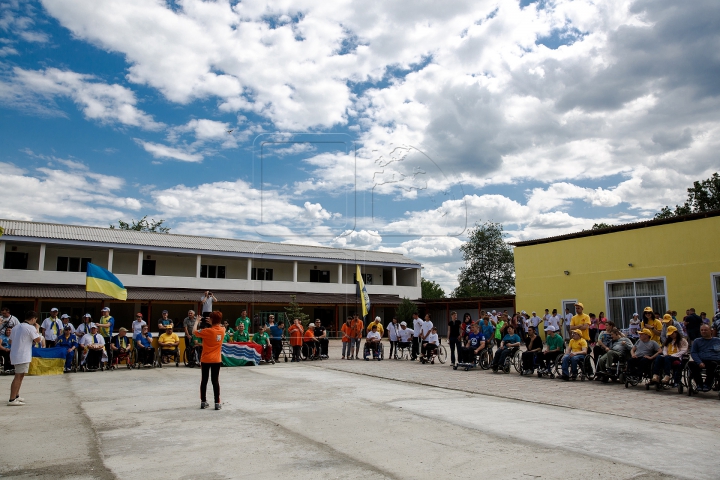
(43, 266)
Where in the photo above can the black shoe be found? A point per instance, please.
(204, 405)
(704, 388)
(565, 378)
(218, 406)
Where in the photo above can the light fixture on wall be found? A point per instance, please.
(566, 272)
(630, 264)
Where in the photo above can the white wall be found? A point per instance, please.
(125, 262)
(172, 265)
(407, 278)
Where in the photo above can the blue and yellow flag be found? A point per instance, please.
(47, 361)
(102, 281)
(362, 293)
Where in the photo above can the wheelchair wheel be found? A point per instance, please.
(404, 354)
(381, 349)
(185, 357)
(441, 354)
(589, 368)
(304, 352)
(76, 362)
(517, 361)
(558, 365)
(485, 358)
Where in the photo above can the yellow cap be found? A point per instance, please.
(648, 309)
(671, 329)
(579, 305)
(645, 331)
(576, 331)
(667, 318)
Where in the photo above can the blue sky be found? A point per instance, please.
(385, 126)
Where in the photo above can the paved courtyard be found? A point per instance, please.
(353, 419)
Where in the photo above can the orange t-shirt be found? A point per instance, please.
(296, 332)
(356, 327)
(346, 330)
(309, 336)
(212, 340)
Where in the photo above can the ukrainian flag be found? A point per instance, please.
(47, 361)
(102, 281)
(362, 293)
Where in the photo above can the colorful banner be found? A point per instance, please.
(238, 354)
(47, 361)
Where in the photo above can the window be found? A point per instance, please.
(262, 274)
(320, 276)
(716, 283)
(367, 278)
(72, 264)
(16, 260)
(148, 267)
(212, 271)
(626, 298)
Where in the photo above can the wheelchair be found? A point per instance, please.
(586, 370)
(191, 356)
(136, 359)
(440, 353)
(682, 382)
(96, 358)
(306, 354)
(692, 387)
(286, 351)
(118, 357)
(615, 372)
(378, 354)
(633, 380)
(554, 368)
(404, 351)
(158, 357)
(483, 359)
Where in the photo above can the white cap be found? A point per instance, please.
(311, 325)
(494, 311)
(534, 312)
(550, 329)
(65, 315)
(106, 309)
(88, 315)
(635, 314)
(53, 309)
(403, 323)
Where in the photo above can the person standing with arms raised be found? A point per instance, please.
(211, 359)
(207, 305)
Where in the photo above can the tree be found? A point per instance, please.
(143, 225)
(600, 226)
(431, 289)
(405, 311)
(704, 196)
(489, 263)
(295, 311)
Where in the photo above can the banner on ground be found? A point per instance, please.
(238, 354)
(47, 361)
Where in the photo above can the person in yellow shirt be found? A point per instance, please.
(581, 321)
(576, 351)
(651, 323)
(168, 342)
(379, 326)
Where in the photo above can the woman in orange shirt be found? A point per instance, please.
(211, 359)
(296, 333)
(346, 345)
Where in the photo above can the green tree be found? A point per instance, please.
(489, 263)
(431, 289)
(600, 226)
(703, 196)
(143, 225)
(405, 311)
(295, 311)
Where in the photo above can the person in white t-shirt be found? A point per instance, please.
(392, 330)
(7, 320)
(405, 336)
(65, 318)
(21, 340)
(51, 328)
(553, 320)
(137, 324)
(84, 327)
(566, 324)
(494, 318)
(372, 343)
(94, 346)
(425, 331)
(417, 327)
(432, 341)
(535, 321)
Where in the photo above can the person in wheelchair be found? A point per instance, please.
(310, 343)
(68, 340)
(93, 345)
(121, 346)
(321, 335)
(508, 345)
(618, 351)
(643, 355)
(145, 350)
(240, 334)
(196, 347)
(372, 343)
(531, 356)
(168, 344)
(5, 349)
(474, 344)
(555, 345)
(262, 338)
(431, 344)
(670, 361)
(705, 353)
(604, 339)
(404, 336)
(576, 351)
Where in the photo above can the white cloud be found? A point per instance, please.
(362, 239)
(164, 151)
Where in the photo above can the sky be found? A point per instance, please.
(383, 125)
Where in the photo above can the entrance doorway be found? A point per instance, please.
(327, 316)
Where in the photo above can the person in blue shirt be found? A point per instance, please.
(143, 343)
(488, 330)
(705, 353)
(509, 343)
(69, 341)
(276, 335)
(474, 343)
(5, 349)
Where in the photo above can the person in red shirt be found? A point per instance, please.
(211, 359)
(296, 333)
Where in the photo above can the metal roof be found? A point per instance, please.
(132, 239)
(619, 228)
(77, 292)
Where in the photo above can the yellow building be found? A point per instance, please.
(667, 264)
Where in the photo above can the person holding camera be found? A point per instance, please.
(207, 307)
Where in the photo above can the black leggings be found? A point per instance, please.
(393, 348)
(297, 352)
(213, 369)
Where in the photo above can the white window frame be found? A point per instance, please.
(624, 280)
(562, 307)
(714, 290)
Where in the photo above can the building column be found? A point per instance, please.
(198, 265)
(394, 270)
(41, 261)
(2, 255)
(140, 260)
(249, 272)
(111, 254)
(340, 273)
(295, 271)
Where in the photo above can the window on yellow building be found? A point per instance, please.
(626, 298)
